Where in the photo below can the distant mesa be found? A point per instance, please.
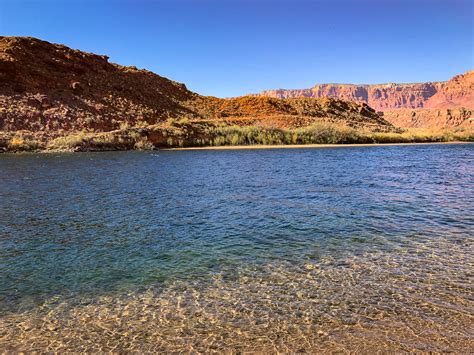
(455, 93)
(450, 103)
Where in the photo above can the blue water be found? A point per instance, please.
(92, 224)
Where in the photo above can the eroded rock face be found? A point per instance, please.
(457, 92)
(383, 97)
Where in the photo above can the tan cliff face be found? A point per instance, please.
(457, 92)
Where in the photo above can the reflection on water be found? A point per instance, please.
(335, 250)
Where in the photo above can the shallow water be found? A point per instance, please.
(347, 249)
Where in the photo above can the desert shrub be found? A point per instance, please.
(68, 142)
(23, 143)
(464, 135)
(124, 125)
(320, 133)
(315, 134)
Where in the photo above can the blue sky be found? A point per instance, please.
(233, 47)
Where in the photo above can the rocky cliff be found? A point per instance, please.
(455, 93)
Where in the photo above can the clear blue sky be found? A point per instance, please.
(232, 47)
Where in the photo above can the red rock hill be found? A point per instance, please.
(52, 88)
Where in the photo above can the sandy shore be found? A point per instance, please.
(293, 146)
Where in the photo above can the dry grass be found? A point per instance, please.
(420, 135)
(20, 141)
(184, 133)
(322, 133)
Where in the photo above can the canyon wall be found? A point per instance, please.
(379, 97)
(450, 103)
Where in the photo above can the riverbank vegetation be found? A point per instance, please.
(327, 134)
(200, 134)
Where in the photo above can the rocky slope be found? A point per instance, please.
(457, 94)
(431, 118)
(51, 90)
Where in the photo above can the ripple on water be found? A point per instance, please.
(416, 299)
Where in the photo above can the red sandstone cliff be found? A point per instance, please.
(457, 92)
(423, 105)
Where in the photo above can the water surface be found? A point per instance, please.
(289, 250)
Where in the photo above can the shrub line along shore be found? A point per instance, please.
(296, 146)
(182, 134)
